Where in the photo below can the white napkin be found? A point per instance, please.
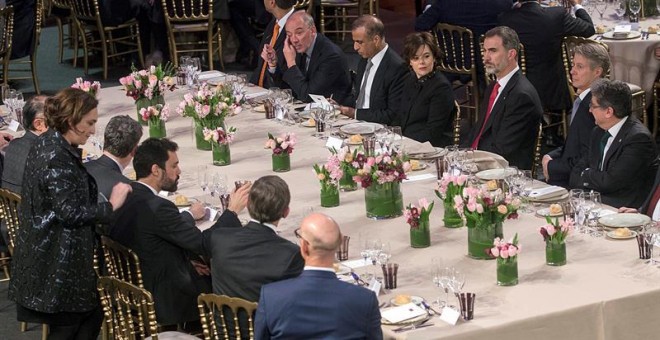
(414, 147)
(353, 264)
(402, 313)
(547, 192)
(420, 177)
(256, 94)
(622, 28)
(206, 75)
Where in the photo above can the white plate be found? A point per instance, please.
(492, 174)
(363, 128)
(550, 199)
(308, 124)
(413, 298)
(624, 220)
(631, 35)
(546, 212)
(612, 235)
(429, 155)
(259, 108)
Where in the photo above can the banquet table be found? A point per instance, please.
(603, 292)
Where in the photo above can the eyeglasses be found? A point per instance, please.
(297, 233)
(592, 106)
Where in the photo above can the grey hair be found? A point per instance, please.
(597, 56)
(121, 136)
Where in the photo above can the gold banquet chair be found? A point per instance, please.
(341, 12)
(638, 94)
(129, 312)
(307, 5)
(522, 60)
(95, 36)
(6, 35)
(187, 21)
(31, 59)
(121, 262)
(212, 311)
(457, 45)
(60, 20)
(457, 124)
(536, 156)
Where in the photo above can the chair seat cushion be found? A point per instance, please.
(175, 336)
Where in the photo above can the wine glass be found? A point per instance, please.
(601, 6)
(634, 6)
(457, 282)
(436, 277)
(526, 186)
(202, 177)
(319, 116)
(650, 234)
(446, 275)
(574, 199)
(594, 213)
(586, 204)
(397, 139)
(620, 8)
(385, 253)
(196, 69)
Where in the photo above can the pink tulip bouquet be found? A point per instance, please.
(383, 168)
(450, 186)
(149, 83)
(219, 135)
(414, 214)
(282, 144)
(505, 250)
(480, 206)
(557, 232)
(155, 113)
(87, 86)
(207, 106)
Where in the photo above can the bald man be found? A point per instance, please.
(316, 304)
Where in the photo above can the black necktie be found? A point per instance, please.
(303, 63)
(603, 143)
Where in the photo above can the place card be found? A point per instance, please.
(450, 315)
(320, 100)
(334, 143)
(13, 125)
(622, 28)
(420, 178)
(354, 264)
(256, 94)
(375, 286)
(402, 313)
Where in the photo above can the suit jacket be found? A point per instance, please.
(244, 259)
(162, 238)
(386, 89)
(575, 147)
(628, 170)
(327, 73)
(513, 124)
(541, 31)
(279, 47)
(16, 154)
(316, 305)
(477, 15)
(427, 109)
(107, 173)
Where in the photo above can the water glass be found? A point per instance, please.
(634, 6)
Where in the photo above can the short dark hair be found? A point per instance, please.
(596, 54)
(414, 41)
(372, 25)
(66, 108)
(121, 136)
(269, 198)
(31, 109)
(152, 151)
(285, 4)
(613, 93)
(509, 37)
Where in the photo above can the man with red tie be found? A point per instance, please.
(511, 109)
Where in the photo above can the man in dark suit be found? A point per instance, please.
(622, 158)
(272, 42)
(316, 305)
(541, 30)
(650, 207)
(120, 140)
(164, 239)
(17, 151)
(511, 109)
(590, 62)
(379, 83)
(244, 259)
(314, 64)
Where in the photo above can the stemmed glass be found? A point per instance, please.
(620, 8)
(202, 178)
(601, 6)
(574, 200)
(385, 253)
(319, 116)
(457, 282)
(594, 214)
(526, 186)
(446, 275)
(652, 237)
(436, 277)
(586, 204)
(375, 248)
(635, 6)
(397, 139)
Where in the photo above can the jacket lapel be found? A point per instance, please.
(500, 103)
(616, 144)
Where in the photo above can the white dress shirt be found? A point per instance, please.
(375, 61)
(614, 130)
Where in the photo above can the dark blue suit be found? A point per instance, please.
(317, 305)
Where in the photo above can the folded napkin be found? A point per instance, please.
(485, 160)
(621, 31)
(256, 94)
(206, 75)
(547, 192)
(419, 178)
(402, 313)
(414, 147)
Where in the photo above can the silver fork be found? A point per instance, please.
(412, 326)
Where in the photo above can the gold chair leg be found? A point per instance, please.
(104, 50)
(23, 326)
(44, 332)
(33, 66)
(60, 37)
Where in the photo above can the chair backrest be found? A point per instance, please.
(186, 11)
(86, 10)
(40, 17)
(522, 61)
(212, 310)
(307, 5)
(6, 31)
(457, 124)
(9, 203)
(121, 262)
(567, 48)
(457, 45)
(536, 156)
(128, 310)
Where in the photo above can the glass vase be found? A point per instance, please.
(346, 183)
(157, 129)
(452, 218)
(383, 200)
(420, 237)
(144, 102)
(507, 271)
(221, 154)
(555, 253)
(281, 162)
(480, 238)
(330, 196)
(200, 142)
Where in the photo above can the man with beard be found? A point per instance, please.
(168, 242)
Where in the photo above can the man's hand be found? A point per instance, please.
(269, 56)
(576, 2)
(289, 53)
(239, 198)
(5, 138)
(347, 111)
(201, 268)
(627, 210)
(544, 163)
(197, 210)
(118, 195)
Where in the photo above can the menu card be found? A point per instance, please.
(402, 313)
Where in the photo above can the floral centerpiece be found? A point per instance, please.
(220, 140)
(554, 234)
(484, 213)
(381, 177)
(418, 220)
(282, 147)
(346, 157)
(147, 87)
(87, 86)
(208, 107)
(506, 254)
(155, 116)
(450, 186)
(329, 175)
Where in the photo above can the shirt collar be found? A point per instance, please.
(269, 225)
(325, 269)
(375, 60)
(148, 186)
(614, 130)
(584, 93)
(283, 19)
(505, 79)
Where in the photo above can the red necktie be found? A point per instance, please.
(273, 39)
(491, 102)
(654, 201)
